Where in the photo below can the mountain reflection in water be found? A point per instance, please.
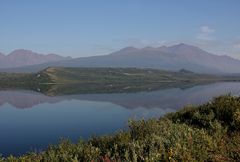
(30, 120)
(173, 98)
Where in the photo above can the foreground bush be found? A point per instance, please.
(210, 132)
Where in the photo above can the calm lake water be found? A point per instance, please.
(31, 120)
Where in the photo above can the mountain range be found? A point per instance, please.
(176, 57)
(22, 57)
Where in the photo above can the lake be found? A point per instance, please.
(30, 121)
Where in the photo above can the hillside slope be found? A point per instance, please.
(63, 75)
(61, 80)
(22, 57)
(174, 58)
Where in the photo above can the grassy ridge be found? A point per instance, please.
(62, 80)
(23, 81)
(117, 80)
(63, 75)
(209, 132)
(11, 79)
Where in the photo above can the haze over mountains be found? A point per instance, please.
(22, 57)
(176, 57)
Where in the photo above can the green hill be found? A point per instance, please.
(61, 80)
(60, 75)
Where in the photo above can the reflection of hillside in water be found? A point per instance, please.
(167, 98)
(25, 98)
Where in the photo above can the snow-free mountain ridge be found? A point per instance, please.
(22, 57)
(176, 57)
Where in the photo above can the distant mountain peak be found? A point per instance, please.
(183, 46)
(149, 48)
(176, 57)
(130, 48)
(23, 57)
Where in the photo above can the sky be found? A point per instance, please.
(80, 28)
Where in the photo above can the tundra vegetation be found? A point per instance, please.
(64, 80)
(209, 132)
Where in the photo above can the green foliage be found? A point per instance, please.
(224, 110)
(24, 81)
(64, 80)
(209, 132)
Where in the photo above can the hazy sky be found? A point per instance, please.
(94, 27)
